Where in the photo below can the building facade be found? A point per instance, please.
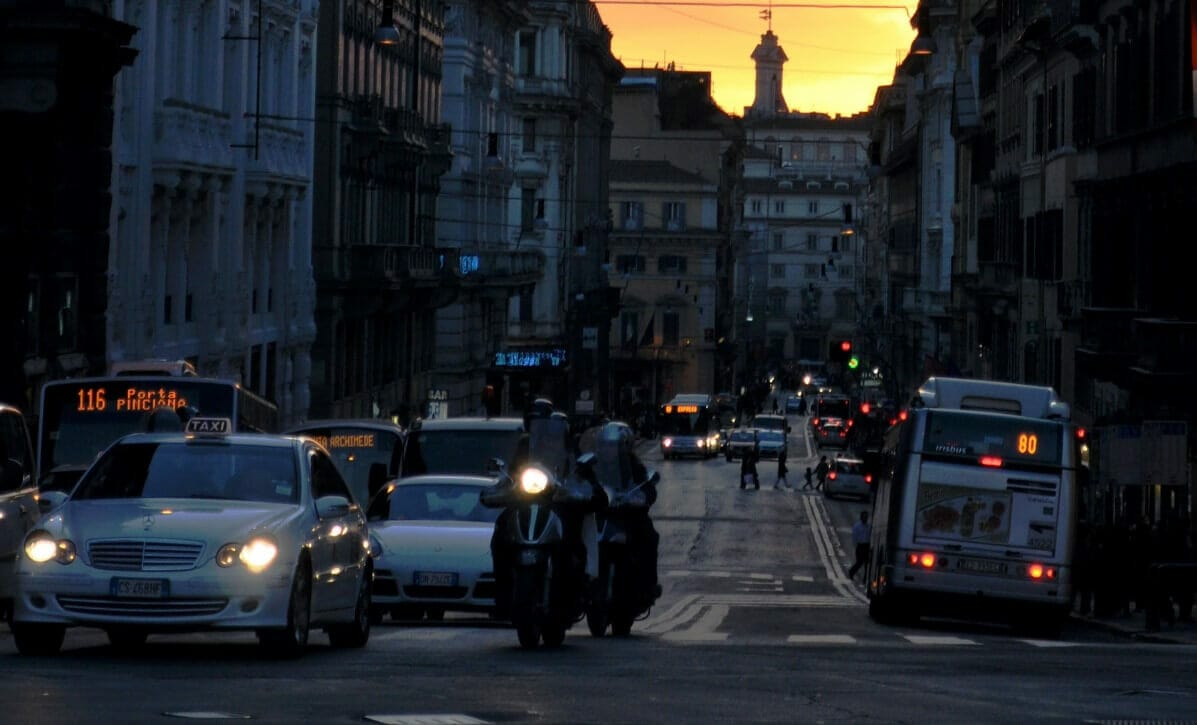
(212, 213)
(380, 152)
(565, 74)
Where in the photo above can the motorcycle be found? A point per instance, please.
(541, 554)
(625, 588)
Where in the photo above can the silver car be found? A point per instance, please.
(847, 477)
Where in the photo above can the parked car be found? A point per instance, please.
(772, 443)
(199, 530)
(430, 541)
(847, 477)
(739, 441)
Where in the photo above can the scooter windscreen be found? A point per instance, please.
(548, 444)
(612, 466)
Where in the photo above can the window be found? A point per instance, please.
(846, 271)
(757, 206)
(778, 239)
(631, 214)
(527, 53)
(671, 264)
(628, 263)
(810, 271)
(850, 152)
(527, 208)
(673, 214)
(823, 151)
(326, 481)
(812, 242)
(1037, 124)
(812, 207)
(629, 328)
(525, 309)
(779, 206)
(777, 271)
(835, 243)
(1053, 118)
(529, 134)
(671, 327)
(776, 304)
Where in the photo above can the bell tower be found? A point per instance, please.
(769, 58)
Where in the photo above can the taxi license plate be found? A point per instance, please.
(436, 579)
(139, 588)
(981, 566)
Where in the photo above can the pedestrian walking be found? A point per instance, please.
(810, 479)
(860, 538)
(748, 475)
(782, 470)
(821, 472)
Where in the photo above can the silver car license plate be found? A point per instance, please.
(436, 579)
(139, 588)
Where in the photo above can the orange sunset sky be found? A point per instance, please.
(837, 56)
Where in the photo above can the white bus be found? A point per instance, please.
(975, 512)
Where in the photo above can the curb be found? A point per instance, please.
(1139, 635)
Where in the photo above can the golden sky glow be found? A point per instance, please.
(837, 56)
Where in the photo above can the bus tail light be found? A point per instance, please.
(1039, 571)
(991, 461)
(925, 560)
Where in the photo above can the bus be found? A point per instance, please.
(79, 418)
(830, 405)
(367, 451)
(689, 426)
(975, 511)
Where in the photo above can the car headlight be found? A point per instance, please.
(41, 547)
(256, 554)
(666, 442)
(702, 443)
(375, 547)
(533, 481)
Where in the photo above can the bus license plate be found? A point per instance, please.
(139, 588)
(981, 566)
(436, 579)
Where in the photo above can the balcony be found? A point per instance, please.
(375, 267)
(499, 268)
(1166, 349)
(997, 277)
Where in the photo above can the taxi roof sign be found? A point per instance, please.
(209, 426)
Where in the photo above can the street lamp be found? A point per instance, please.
(387, 33)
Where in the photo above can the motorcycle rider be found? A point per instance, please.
(546, 436)
(621, 470)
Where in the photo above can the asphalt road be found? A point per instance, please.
(758, 623)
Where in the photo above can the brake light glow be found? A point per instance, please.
(815, 421)
(832, 475)
(925, 560)
(868, 478)
(992, 461)
(902, 415)
(1039, 571)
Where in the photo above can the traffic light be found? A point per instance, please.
(853, 362)
(840, 351)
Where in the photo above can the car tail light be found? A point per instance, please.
(831, 475)
(868, 478)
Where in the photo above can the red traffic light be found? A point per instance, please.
(846, 345)
(864, 408)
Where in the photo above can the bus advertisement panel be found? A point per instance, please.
(81, 417)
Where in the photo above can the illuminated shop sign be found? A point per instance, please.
(554, 358)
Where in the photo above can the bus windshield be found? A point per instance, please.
(685, 421)
(358, 449)
(80, 418)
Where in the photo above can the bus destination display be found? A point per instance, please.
(127, 399)
(681, 409)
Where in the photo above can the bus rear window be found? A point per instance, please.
(1009, 438)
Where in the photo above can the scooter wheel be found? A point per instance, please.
(621, 625)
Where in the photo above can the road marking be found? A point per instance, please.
(761, 576)
(825, 544)
(207, 715)
(704, 629)
(438, 719)
(772, 600)
(680, 613)
(802, 578)
(937, 640)
(821, 639)
(416, 633)
(1048, 643)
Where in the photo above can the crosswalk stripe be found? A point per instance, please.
(821, 639)
(777, 600)
(937, 640)
(704, 629)
(1049, 643)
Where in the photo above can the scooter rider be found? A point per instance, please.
(545, 442)
(619, 469)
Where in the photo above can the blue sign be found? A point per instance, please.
(467, 263)
(530, 358)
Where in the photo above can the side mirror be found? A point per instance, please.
(654, 478)
(586, 460)
(496, 466)
(332, 506)
(47, 501)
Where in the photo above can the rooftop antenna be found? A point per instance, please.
(767, 15)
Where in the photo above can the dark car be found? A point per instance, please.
(771, 443)
(739, 441)
(832, 435)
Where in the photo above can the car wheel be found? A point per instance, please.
(37, 640)
(126, 639)
(553, 635)
(357, 632)
(291, 640)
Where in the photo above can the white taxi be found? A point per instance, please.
(171, 532)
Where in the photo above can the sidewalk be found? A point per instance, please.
(1134, 626)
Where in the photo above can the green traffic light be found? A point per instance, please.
(853, 362)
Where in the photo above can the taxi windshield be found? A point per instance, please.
(182, 470)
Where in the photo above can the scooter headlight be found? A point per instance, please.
(533, 481)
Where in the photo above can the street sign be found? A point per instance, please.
(1144, 454)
